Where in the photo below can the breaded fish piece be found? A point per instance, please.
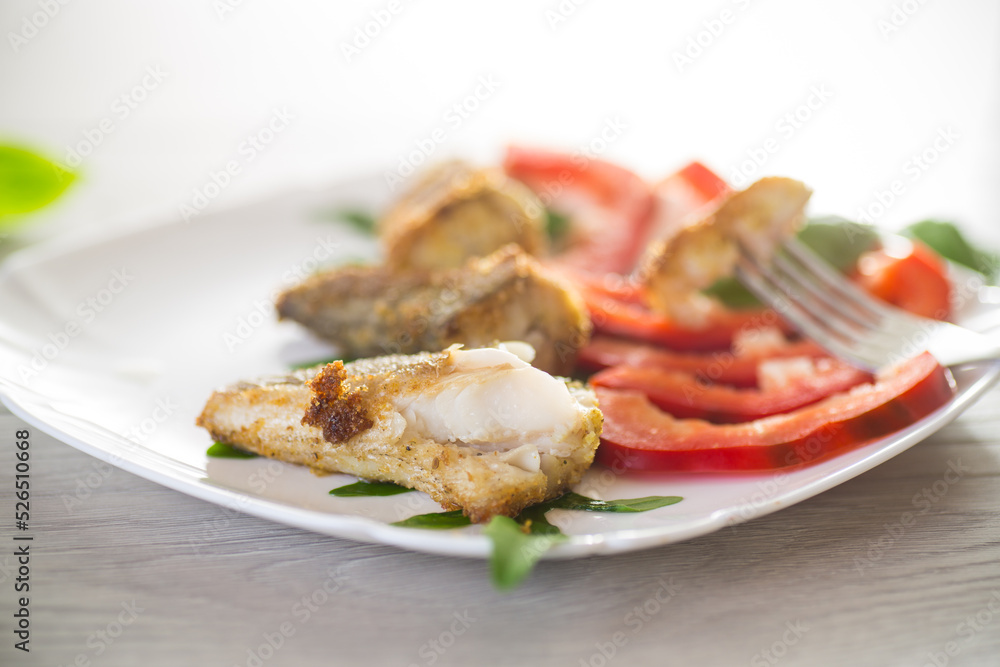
(369, 311)
(455, 212)
(677, 268)
(477, 430)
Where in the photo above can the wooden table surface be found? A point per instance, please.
(126, 572)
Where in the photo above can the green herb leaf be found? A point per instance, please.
(436, 520)
(361, 220)
(838, 240)
(354, 260)
(223, 450)
(556, 225)
(362, 488)
(575, 501)
(28, 181)
(519, 543)
(731, 292)
(539, 523)
(321, 362)
(945, 239)
(515, 552)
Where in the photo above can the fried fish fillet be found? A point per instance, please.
(478, 430)
(455, 212)
(369, 311)
(677, 268)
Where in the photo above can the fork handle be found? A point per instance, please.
(962, 346)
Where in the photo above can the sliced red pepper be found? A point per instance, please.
(609, 286)
(683, 194)
(630, 320)
(708, 185)
(722, 367)
(611, 206)
(684, 396)
(915, 280)
(639, 436)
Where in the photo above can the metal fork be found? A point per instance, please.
(847, 321)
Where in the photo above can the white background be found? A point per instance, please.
(560, 79)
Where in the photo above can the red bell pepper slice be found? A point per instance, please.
(722, 367)
(639, 436)
(684, 396)
(685, 195)
(611, 207)
(616, 317)
(915, 280)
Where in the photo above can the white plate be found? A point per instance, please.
(113, 348)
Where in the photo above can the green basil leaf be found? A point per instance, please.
(539, 524)
(28, 181)
(945, 239)
(302, 365)
(360, 220)
(575, 501)
(362, 488)
(223, 450)
(556, 225)
(838, 240)
(519, 543)
(731, 292)
(515, 552)
(436, 520)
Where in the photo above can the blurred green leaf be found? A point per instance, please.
(731, 292)
(534, 518)
(302, 365)
(556, 225)
(838, 240)
(28, 182)
(946, 240)
(515, 551)
(363, 221)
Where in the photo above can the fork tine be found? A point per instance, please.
(888, 325)
(823, 311)
(838, 315)
(833, 301)
(814, 298)
(851, 318)
(832, 280)
(758, 281)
